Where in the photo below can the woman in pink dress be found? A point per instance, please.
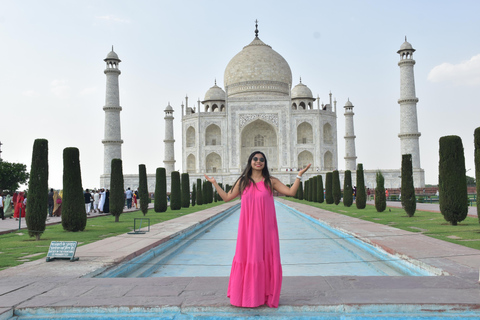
(256, 274)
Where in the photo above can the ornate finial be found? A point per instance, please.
(300, 79)
(215, 81)
(405, 38)
(112, 47)
(256, 28)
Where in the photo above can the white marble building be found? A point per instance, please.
(259, 110)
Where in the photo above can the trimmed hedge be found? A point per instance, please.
(161, 203)
(74, 217)
(321, 197)
(380, 197)
(347, 189)
(336, 191)
(300, 191)
(409, 201)
(199, 192)
(175, 200)
(185, 190)
(194, 194)
(361, 198)
(117, 189)
(476, 138)
(329, 188)
(452, 180)
(143, 188)
(36, 212)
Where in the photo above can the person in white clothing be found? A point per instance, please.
(96, 200)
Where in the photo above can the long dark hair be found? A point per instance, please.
(246, 178)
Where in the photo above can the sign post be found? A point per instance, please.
(62, 250)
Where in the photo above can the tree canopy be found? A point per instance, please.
(12, 175)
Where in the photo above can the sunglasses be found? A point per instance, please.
(257, 159)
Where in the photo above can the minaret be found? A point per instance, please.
(409, 134)
(112, 143)
(350, 155)
(169, 161)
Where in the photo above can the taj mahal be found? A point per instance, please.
(257, 109)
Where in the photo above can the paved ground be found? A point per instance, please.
(61, 284)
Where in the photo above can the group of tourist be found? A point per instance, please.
(18, 203)
(99, 201)
(132, 198)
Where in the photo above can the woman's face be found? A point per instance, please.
(258, 162)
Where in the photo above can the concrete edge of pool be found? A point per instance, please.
(60, 285)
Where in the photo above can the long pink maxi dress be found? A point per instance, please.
(256, 275)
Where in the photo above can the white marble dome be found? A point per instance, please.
(406, 46)
(258, 69)
(215, 93)
(301, 91)
(348, 103)
(112, 56)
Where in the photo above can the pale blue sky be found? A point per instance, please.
(52, 83)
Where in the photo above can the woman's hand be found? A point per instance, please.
(301, 172)
(212, 179)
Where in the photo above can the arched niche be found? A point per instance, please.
(213, 135)
(259, 136)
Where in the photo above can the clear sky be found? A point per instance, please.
(52, 83)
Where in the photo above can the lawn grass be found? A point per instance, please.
(432, 224)
(17, 247)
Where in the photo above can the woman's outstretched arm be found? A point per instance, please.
(232, 194)
(283, 189)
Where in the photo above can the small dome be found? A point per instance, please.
(348, 104)
(406, 46)
(112, 56)
(301, 91)
(169, 108)
(215, 93)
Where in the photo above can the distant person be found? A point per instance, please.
(256, 274)
(57, 207)
(386, 193)
(129, 196)
(106, 199)
(51, 203)
(2, 215)
(88, 201)
(96, 201)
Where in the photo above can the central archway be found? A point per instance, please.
(262, 136)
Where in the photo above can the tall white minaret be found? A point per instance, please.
(112, 143)
(350, 155)
(409, 135)
(169, 160)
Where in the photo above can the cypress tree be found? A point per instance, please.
(36, 213)
(210, 191)
(361, 200)
(185, 190)
(194, 194)
(227, 188)
(329, 188)
(300, 191)
(314, 189)
(218, 195)
(452, 180)
(161, 203)
(117, 189)
(143, 189)
(321, 196)
(306, 193)
(347, 189)
(74, 217)
(380, 197)
(175, 201)
(476, 137)
(336, 191)
(409, 202)
(199, 192)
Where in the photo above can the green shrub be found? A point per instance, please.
(161, 203)
(361, 199)
(143, 188)
(347, 189)
(74, 217)
(175, 200)
(314, 188)
(320, 193)
(452, 180)
(194, 194)
(336, 191)
(300, 191)
(477, 166)
(185, 190)
(380, 197)
(199, 192)
(409, 202)
(36, 213)
(117, 189)
(329, 188)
